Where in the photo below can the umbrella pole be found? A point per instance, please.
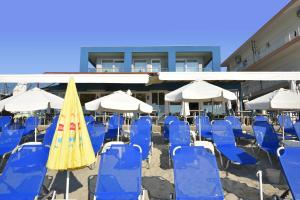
(67, 184)
(199, 125)
(282, 125)
(118, 137)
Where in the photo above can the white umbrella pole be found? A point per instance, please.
(282, 125)
(67, 184)
(118, 137)
(199, 125)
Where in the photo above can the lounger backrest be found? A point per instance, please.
(112, 130)
(96, 133)
(30, 124)
(287, 121)
(146, 119)
(261, 118)
(297, 128)
(120, 173)
(234, 122)
(89, 119)
(264, 133)
(10, 137)
(222, 133)
(140, 134)
(290, 162)
(24, 173)
(113, 121)
(4, 121)
(167, 122)
(205, 124)
(50, 131)
(196, 174)
(179, 134)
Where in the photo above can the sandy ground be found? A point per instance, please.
(239, 182)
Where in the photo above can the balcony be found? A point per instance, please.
(261, 49)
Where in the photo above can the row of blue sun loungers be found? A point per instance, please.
(119, 175)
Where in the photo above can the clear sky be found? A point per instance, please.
(38, 36)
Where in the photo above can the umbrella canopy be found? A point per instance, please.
(281, 99)
(200, 91)
(71, 146)
(185, 109)
(118, 102)
(31, 100)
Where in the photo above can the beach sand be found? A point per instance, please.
(239, 182)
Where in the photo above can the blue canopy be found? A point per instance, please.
(120, 173)
(24, 173)
(196, 175)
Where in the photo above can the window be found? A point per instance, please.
(156, 65)
(86, 97)
(140, 66)
(107, 65)
(192, 66)
(180, 65)
(118, 65)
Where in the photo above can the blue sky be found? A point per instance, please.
(38, 36)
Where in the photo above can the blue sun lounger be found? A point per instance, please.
(237, 128)
(89, 119)
(196, 174)
(179, 136)
(9, 140)
(266, 137)
(30, 124)
(169, 119)
(50, 131)
(120, 173)
(290, 164)
(96, 133)
(24, 173)
(4, 121)
(140, 134)
(112, 131)
(205, 127)
(288, 125)
(297, 129)
(260, 118)
(224, 141)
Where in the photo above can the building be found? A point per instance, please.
(146, 60)
(274, 47)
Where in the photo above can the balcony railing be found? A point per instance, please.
(188, 69)
(105, 69)
(270, 46)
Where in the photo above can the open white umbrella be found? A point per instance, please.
(30, 101)
(200, 91)
(279, 100)
(119, 102)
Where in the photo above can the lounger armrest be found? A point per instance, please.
(109, 144)
(206, 144)
(279, 151)
(138, 146)
(175, 149)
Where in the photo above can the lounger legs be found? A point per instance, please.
(269, 157)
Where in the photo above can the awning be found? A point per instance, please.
(228, 76)
(78, 77)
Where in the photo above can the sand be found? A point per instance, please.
(239, 182)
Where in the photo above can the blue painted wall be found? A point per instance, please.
(171, 50)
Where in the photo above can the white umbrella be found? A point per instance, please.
(119, 102)
(281, 99)
(200, 91)
(31, 100)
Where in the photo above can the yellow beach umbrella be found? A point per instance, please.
(71, 147)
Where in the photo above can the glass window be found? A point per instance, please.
(180, 65)
(140, 66)
(192, 66)
(119, 64)
(156, 65)
(107, 65)
(84, 98)
(141, 96)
